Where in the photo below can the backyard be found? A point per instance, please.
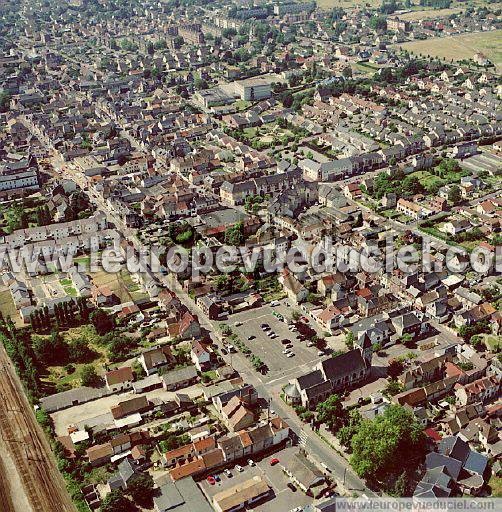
(68, 376)
(121, 284)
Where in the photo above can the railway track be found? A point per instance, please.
(29, 449)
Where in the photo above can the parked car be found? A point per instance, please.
(252, 337)
(292, 486)
(290, 354)
(274, 461)
(228, 473)
(211, 480)
(285, 341)
(240, 469)
(251, 462)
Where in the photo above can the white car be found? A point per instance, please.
(310, 344)
(274, 303)
(228, 473)
(286, 351)
(251, 462)
(320, 353)
(240, 469)
(290, 354)
(237, 324)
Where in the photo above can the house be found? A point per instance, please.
(413, 210)
(409, 324)
(305, 475)
(331, 318)
(129, 407)
(178, 379)
(155, 359)
(236, 415)
(455, 227)
(424, 372)
(481, 390)
(210, 306)
(99, 454)
(294, 289)
(202, 357)
(179, 496)
(119, 379)
(454, 467)
(352, 191)
(247, 394)
(241, 495)
(125, 472)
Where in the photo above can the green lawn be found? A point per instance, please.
(428, 180)
(70, 291)
(495, 484)
(493, 343)
(404, 219)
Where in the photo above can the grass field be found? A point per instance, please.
(121, 284)
(495, 484)
(8, 308)
(493, 343)
(460, 47)
(430, 14)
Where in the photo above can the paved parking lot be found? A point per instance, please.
(271, 350)
(283, 499)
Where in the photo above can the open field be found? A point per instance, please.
(121, 284)
(430, 14)
(8, 308)
(460, 47)
(418, 13)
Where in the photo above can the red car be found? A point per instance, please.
(274, 461)
(211, 480)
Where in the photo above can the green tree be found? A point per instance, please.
(79, 351)
(347, 432)
(395, 368)
(50, 350)
(331, 413)
(115, 501)
(388, 443)
(455, 194)
(101, 321)
(140, 489)
(349, 340)
(235, 234)
(88, 376)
